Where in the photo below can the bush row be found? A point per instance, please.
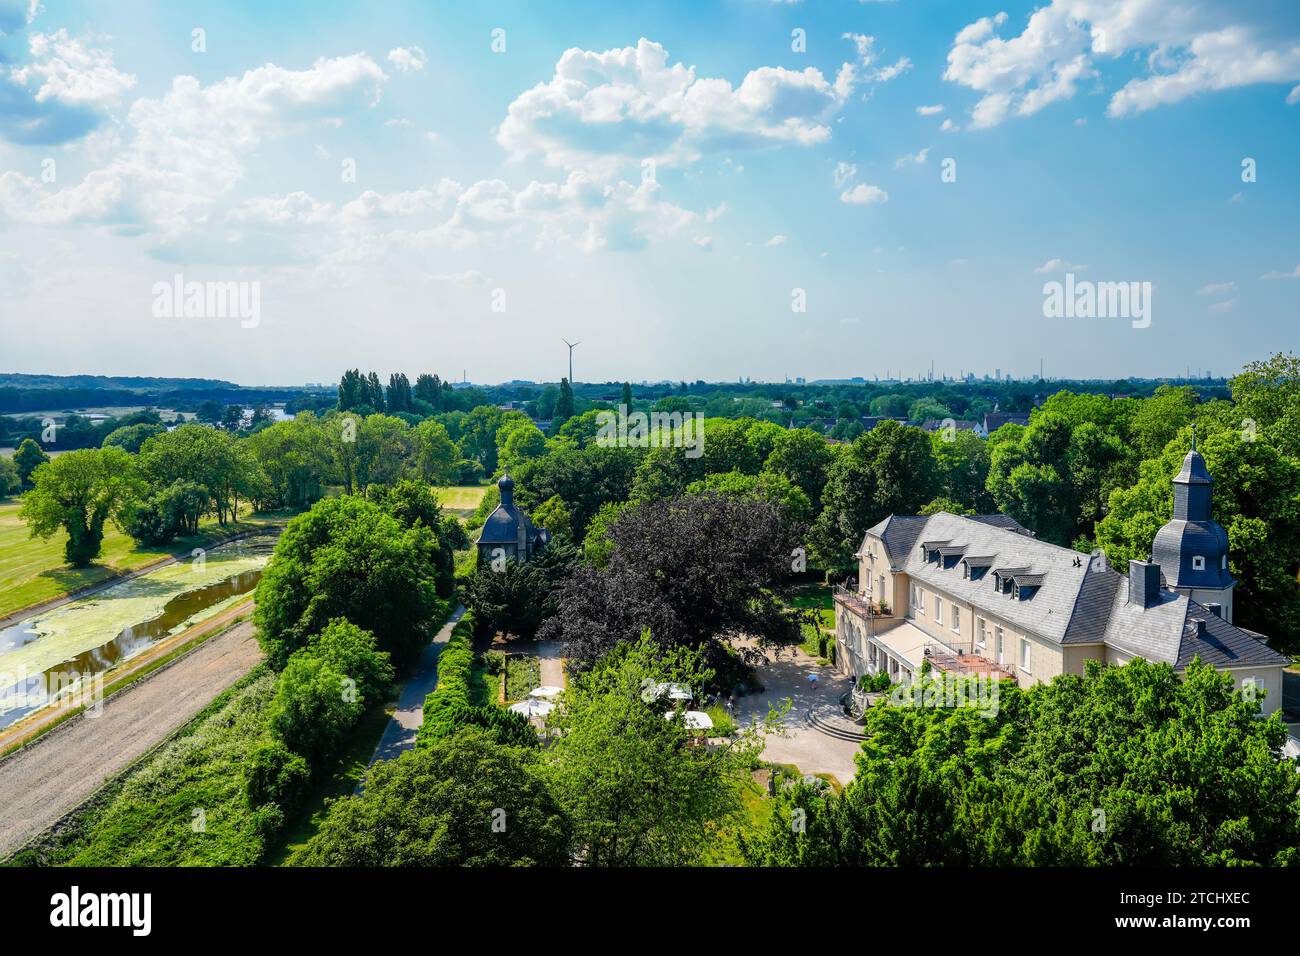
(448, 708)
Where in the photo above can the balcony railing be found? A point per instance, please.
(860, 603)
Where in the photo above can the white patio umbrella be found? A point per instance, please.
(533, 707)
(673, 691)
(694, 719)
(546, 691)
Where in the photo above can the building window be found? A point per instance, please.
(882, 587)
(1224, 565)
(956, 618)
(938, 610)
(1002, 651)
(1024, 654)
(918, 600)
(1198, 562)
(979, 633)
(871, 654)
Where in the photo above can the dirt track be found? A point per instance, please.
(63, 769)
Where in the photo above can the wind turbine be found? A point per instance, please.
(572, 346)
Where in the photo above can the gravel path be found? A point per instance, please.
(399, 735)
(65, 767)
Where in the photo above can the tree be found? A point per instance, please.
(554, 517)
(637, 791)
(436, 454)
(697, 570)
(627, 395)
(353, 392)
(1122, 766)
(399, 393)
(519, 443)
(295, 458)
(582, 478)
(130, 437)
(9, 480)
(313, 708)
(78, 492)
(348, 558)
(355, 654)
(962, 462)
(213, 459)
(385, 450)
(803, 457)
(428, 389)
(28, 458)
(889, 470)
(461, 801)
(564, 407)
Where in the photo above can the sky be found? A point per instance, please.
(691, 190)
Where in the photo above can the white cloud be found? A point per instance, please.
(714, 213)
(1293, 97)
(296, 208)
(67, 71)
(601, 110)
(1275, 274)
(407, 59)
(912, 159)
(704, 242)
(948, 126)
(777, 240)
(1217, 288)
(934, 110)
(864, 195)
(189, 148)
(1060, 265)
(844, 173)
(1191, 48)
(865, 47)
(1220, 307)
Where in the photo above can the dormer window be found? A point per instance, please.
(1198, 562)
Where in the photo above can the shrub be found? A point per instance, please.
(504, 726)
(274, 774)
(455, 662)
(353, 652)
(311, 711)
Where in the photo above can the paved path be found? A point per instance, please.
(64, 768)
(550, 657)
(399, 735)
(806, 747)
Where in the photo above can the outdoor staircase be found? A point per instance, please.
(831, 721)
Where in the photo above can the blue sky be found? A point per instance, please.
(656, 182)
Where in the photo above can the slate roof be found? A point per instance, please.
(1078, 599)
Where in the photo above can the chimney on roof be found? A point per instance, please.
(1216, 609)
(1195, 626)
(1143, 583)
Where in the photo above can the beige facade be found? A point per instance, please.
(919, 619)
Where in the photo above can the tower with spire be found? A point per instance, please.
(508, 532)
(1192, 549)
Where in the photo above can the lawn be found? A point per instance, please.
(33, 570)
(460, 500)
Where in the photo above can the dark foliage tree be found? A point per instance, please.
(696, 570)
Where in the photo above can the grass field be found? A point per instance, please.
(32, 570)
(460, 500)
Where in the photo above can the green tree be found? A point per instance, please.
(78, 492)
(436, 454)
(348, 558)
(130, 437)
(9, 480)
(636, 790)
(889, 470)
(564, 406)
(803, 457)
(28, 458)
(461, 801)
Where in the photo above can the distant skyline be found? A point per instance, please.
(451, 189)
